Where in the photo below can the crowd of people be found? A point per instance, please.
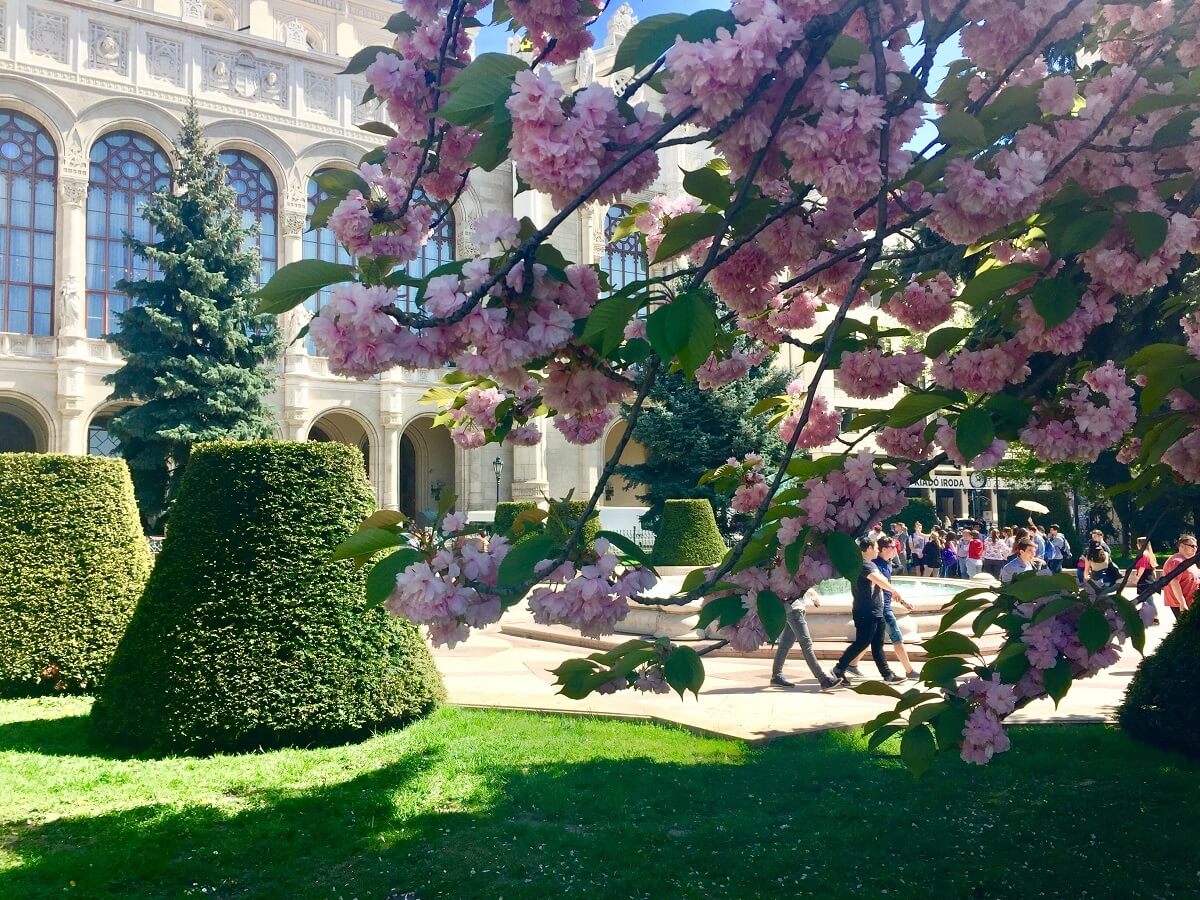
(1003, 554)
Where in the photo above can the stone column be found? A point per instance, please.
(72, 435)
(291, 249)
(529, 481)
(391, 427)
(71, 248)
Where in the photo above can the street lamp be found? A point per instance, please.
(498, 468)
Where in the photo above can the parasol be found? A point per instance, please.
(1033, 506)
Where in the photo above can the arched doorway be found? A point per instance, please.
(618, 492)
(345, 429)
(22, 428)
(426, 468)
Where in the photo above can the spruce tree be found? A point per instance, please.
(197, 357)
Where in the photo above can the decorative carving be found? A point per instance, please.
(48, 35)
(467, 247)
(295, 35)
(243, 77)
(620, 24)
(362, 112)
(70, 307)
(585, 67)
(107, 48)
(193, 10)
(3, 27)
(293, 223)
(164, 60)
(320, 94)
(73, 192)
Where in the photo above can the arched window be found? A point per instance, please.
(438, 250)
(320, 243)
(101, 442)
(625, 259)
(126, 168)
(258, 200)
(28, 202)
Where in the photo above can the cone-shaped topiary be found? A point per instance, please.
(507, 512)
(73, 563)
(1162, 704)
(687, 535)
(247, 635)
(563, 516)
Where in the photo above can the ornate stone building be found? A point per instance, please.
(91, 95)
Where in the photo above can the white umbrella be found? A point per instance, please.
(1033, 506)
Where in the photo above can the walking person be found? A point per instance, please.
(1057, 549)
(867, 610)
(796, 632)
(1145, 565)
(888, 556)
(931, 558)
(1180, 592)
(995, 553)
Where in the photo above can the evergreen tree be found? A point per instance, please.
(687, 431)
(196, 354)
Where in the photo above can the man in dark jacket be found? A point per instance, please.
(868, 591)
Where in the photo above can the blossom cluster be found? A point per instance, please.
(753, 488)
(846, 498)
(824, 422)
(947, 438)
(1093, 417)
(591, 599)
(870, 374)
(989, 701)
(453, 591)
(923, 305)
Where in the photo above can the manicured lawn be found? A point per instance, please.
(487, 804)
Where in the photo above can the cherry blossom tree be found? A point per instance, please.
(1068, 194)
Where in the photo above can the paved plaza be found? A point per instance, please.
(510, 671)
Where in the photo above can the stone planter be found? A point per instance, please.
(675, 622)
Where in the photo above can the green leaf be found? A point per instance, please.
(476, 89)
(322, 211)
(1013, 107)
(915, 406)
(380, 128)
(845, 51)
(685, 327)
(627, 547)
(876, 689)
(1134, 626)
(974, 433)
(1055, 299)
(1155, 102)
(492, 147)
(771, 613)
(793, 555)
(518, 565)
(708, 185)
(950, 643)
(927, 712)
(1094, 630)
(694, 579)
(944, 339)
(943, 669)
(652, 37)
(881, 734)
(381, 580)
(685, 231)
(918, 749)
(725, 611)
(340, 182)
(991, 283)
(401, 23)
(1148, 231)
(986, 620)
(961, 609)
(684, 670)
(366, 542)
(1083, 232)
(296, 282)
(1176, 132)
(364, 57)
(1058, 680)
(844, 554)
(949, 726)
(605, 328)
(957, 127)
(1034, 587)
(1053, 608)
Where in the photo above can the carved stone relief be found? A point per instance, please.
(164, 60)
(620, 24)
(293, 223)
(320, 95)
(73, 191)
(108, 48)
(3, 27)
(48, 35)
(241, 76)
(70, 307)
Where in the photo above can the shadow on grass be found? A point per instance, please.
(61, 736)
(810, 813)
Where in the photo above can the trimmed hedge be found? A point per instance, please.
(247, 635)
(1162, 705)
(688, 535)
(563, 516)
(1060, 514)
(73, 563)
(507, 512)
(917, 509)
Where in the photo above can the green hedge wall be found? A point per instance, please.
(247, 635)
(507, 512)
(563, 516)
(688, 535)
(917, 509)
(1162, 705)
(73, 563)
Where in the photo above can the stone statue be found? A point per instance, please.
(585, 67)
(70, 306)
(620, 24)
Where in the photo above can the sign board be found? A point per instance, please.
(962, 483)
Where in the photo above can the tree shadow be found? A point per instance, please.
(61, 736)
(803, 814)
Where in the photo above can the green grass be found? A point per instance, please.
(486, 804)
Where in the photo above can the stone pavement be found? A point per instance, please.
(493, 669)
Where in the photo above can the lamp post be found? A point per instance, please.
(498, 468)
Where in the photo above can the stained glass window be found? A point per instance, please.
(258, 199)
(625, 259)
(28, 204)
